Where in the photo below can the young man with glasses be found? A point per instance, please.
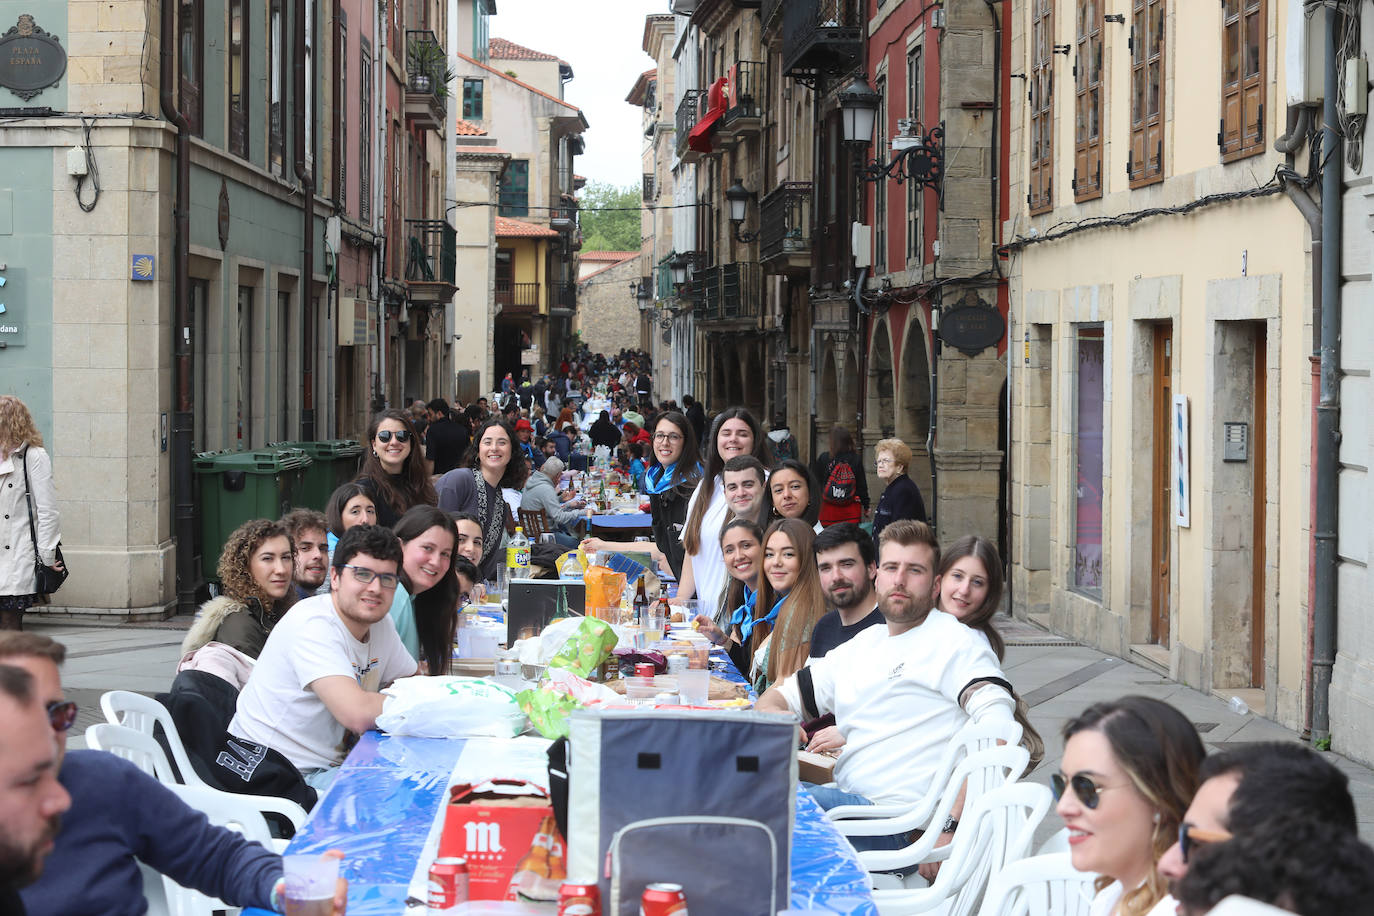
(318, 677)
(121, 816)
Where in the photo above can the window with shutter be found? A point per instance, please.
(1243, 35)
(238, 79)
(914, 200)
(364, 129)
(1040, 195)
(1087, 84)
(515, 189)
(1145, 161)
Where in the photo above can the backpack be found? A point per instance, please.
(785, 449)
(840, 486)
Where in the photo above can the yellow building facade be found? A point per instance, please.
(1160, 395)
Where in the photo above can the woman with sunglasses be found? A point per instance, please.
(494, 464)
(255, 573)
(1130, 767)
(425, 606)
(393, 471)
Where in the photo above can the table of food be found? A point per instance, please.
(601, 757)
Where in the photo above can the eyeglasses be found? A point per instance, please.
(1190, 837)
(1083, 787)
(384, 435)
(667, 437)
(364, 575)
(882, 461)
(62, 715)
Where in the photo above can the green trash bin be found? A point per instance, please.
(233, 487)
(332, 462)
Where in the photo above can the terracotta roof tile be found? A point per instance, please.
(515, 228)
(468, 129)
(501, 49)
(608, 255)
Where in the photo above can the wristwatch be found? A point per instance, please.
(950, 824)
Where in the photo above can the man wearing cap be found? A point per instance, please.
(541, 494)
(525, 433)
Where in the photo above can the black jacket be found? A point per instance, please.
(445, 443)
(901, 500)
(669, 510)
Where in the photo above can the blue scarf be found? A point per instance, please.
(660, 477)
(744, 615)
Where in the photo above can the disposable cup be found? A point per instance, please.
(693, 686)
(310, 884)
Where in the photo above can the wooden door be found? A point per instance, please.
(1162, 520)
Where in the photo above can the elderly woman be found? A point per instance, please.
(901, 498)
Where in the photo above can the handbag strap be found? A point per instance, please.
(29, 501)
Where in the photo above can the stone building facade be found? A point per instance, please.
(608, 318)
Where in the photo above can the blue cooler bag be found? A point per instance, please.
(696, 797)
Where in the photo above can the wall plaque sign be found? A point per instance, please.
(971, 328)
(31, 59)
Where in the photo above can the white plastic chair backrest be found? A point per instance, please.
(154, 893)
(239, 813)
(997, 828)
(1055, 842)
(134, 710)
(1044, 885)
(136, 747)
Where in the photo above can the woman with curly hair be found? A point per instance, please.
(393, 471)
(28, 498)
(255, 570)
(494, 464)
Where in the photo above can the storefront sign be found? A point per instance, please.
(11, 307)
(31, 60)
(970, 329)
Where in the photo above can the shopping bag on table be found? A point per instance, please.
(697, 797)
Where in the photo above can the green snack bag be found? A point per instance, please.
(547, 711)
(586, 648)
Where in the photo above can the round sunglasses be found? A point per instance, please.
(62, 715)
(1083, 787)
(384, 435)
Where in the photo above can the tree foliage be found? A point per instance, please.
(610, 217)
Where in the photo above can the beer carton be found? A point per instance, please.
(493, 825)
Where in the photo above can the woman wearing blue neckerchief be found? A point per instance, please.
(790, 587)
(669, 482)
(741, 544)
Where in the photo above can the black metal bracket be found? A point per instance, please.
(922, 163)
(1118, 18)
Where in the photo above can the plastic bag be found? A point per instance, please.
(588, 646)
(450, 707)
(604, 587)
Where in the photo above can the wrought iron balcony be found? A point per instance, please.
(770, 15)
(785, 228)
(431, 260)
(564, 299)
(689, 111)
(821, 37)
(743, 116)
(517, 298)
(426, 102)
(732, 292)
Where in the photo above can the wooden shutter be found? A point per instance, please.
(1087, 75)
(1041, 190)
(1145, 164)
(1243, 44)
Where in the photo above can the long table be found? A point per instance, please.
(390, 789)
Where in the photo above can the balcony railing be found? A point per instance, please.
(785, 222)
(564, 297)
(689, 111)
(426, 102)
(732, 292)
(769, 14)
(517, 298)
(747, 94)
(821, 36)
(431, 258)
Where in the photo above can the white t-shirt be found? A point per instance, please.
(1107, 899)
(277, 707)
(708, 566)
(896, 701)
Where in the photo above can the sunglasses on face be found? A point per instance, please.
(1190, 838)
(384, 435)
(62, 715)
(1083, 787)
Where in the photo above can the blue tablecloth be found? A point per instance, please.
(630, 520)
(389, 791)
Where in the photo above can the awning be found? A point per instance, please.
(699, 137)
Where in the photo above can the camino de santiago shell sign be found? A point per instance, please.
(31, 60)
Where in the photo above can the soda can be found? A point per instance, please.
(644, 669)
(579, 899)
(448, 885)
(663, 900)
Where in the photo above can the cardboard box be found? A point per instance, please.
(492, 825)
(815, 768)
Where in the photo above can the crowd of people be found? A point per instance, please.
(855, 620)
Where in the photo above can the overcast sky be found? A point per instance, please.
(603, 41)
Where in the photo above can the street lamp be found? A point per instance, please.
(919, 156)
(642, 290)
(739, 197)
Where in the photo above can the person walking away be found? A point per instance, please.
(783, 442)
(644, 388)
(844, 488)
(446, 439)
(28, 502)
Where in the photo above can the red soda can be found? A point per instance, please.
(448, 885)
(663, 900)
(644, 669)
(579, 899)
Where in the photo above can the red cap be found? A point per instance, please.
(522, 424)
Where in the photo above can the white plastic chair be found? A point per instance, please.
(997, 829)
(1046, 885)
(969, 740)
(134, 710)
(1054, 843)
(138, 748)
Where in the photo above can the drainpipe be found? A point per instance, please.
(1329, 407)
(379, 146)
(305, 82)
(183, 417)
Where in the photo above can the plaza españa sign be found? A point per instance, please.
(31, 60)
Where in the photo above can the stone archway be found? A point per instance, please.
(913, 395)
(880, 414)
(827, 394)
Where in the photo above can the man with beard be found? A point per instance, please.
(844, 558)
(31, 798)
(121, 816)
(310, 543)
(901, 692)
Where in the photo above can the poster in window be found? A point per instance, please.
(1087, 552)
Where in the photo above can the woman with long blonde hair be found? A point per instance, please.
(27, 495)
(789, 598)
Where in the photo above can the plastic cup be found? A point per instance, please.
(694, 686)
(310, 884)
